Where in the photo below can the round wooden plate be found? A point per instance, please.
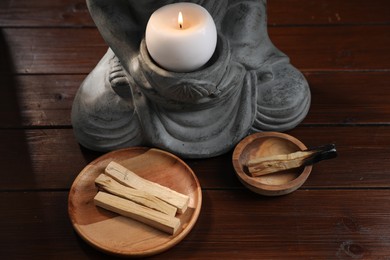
(123, 236)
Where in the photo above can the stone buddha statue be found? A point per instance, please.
(247, 86)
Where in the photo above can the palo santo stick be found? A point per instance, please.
(130, 179)
(270, 164)
(279, 157)
(277, 163)
(141, 197)
(138, 212)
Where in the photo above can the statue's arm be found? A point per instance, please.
(118, 25)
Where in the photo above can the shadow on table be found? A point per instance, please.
(23, 217)
(15, 155)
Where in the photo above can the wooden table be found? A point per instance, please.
(47, 47)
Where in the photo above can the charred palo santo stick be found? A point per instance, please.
(138, 212)
(130, 179)
(270, 164)
(141, 197)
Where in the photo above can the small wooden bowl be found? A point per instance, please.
(268, 144)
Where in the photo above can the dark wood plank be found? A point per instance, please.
(303, 225)
(362, 155)
(53, 51)
(49, 13)
(335, 48)
(52, 158)
(232, 225)
(41, 159)
(67, 51)
(60, 13)
(345, 98)
(37, 226)
(38, 100)
(349, 98)
(327, 12)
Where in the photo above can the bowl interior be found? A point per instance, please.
(263, 145)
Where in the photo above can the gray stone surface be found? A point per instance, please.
(248, 85)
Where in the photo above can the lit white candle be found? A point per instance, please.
(181, 37)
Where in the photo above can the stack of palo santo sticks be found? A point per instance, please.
(124, 192)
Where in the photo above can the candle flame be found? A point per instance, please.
(180, 20)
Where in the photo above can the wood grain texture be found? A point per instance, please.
(71, 13)
(331, 226)
(48, 13)
(53, 50)
(327, 12)
(56, 51)
(349, 98)
(41, 100)
(335, 48)
(46, 100)
(51, 159)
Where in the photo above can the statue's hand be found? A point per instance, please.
(118, 79)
